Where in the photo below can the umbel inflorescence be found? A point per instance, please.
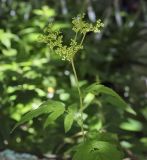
(54, 38)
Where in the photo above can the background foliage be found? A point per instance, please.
(29, 74)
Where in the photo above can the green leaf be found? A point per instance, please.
(116, 102)
(97, 150)
(87, 100)
(68, 121)
(132, 125)
(57, 111)
(46, 107)
(69, 118)
(113, 98)
(45, 11)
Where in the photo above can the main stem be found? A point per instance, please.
(80, 97)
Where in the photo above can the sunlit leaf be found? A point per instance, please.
(131, 125)
(88, 99)
(45, 11)
(5, 38)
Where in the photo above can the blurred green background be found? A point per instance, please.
(29, 74)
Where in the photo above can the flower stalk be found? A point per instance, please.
(80, 98)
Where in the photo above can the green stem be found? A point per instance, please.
(76, 36)
(80, 97)
(83, 38)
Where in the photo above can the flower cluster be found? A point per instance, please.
(67, 53)
(54, 39)
(79, 25)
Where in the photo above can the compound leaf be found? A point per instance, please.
(46, 107)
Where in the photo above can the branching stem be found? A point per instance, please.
(83, 38)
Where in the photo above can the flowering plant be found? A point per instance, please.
(102, 145)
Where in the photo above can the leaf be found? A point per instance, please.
(87, 100)
(114, 98)
(116, 102)
(68, 121)
(45, 11)
(97, 150)
(46, 107)
(5, 38)
(57, 111)
(131, 125)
